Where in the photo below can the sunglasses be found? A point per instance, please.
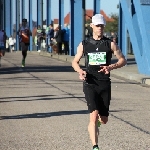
(99, 25)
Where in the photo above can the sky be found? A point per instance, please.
(89, 5)
(54, 14)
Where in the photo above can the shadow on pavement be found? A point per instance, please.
(45, 115)
(51, 114)
(14, 70)
(127, 82)
(25, 96)
(39, 99)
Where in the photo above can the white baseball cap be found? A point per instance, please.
(98, 19)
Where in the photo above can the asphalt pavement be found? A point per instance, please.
(42, 107)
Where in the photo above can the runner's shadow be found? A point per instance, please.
(51, 114)
(44, 115)
(38, 99)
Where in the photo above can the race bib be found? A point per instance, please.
(97, 58)
(1, 43)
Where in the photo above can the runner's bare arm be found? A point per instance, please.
(121, 59)
(75, 62)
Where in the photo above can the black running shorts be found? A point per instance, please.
(24, 46)
(98, 96)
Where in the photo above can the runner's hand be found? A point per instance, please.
(82, 75)
(105, 69)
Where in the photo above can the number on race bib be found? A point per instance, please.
(97, 58)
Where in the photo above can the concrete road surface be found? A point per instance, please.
(42, 107)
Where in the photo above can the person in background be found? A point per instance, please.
(59, 39)
(39, 37)
(11, 43)
(7, 44)
(14, 43)
(66, 39)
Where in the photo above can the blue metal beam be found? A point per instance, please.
(1, 13)
(23, 9)
(48, 12)
(49, 19)
(30, 23)
(40, 13)
(120, 27)
(83, 22)
(134, 39)
(17, 22)
(137, 22)
(96, 9)
(72, 45)
(7, 18)
(12, 16)
(124, 37)
(61, 13)
(76, 25)
(143, 20)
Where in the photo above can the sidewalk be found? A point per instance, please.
(129, 72)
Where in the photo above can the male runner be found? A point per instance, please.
(2, 43)
(96, 79)
(24, 39)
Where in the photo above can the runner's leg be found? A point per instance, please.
(93, 127)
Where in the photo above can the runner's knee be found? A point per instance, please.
(94, 116)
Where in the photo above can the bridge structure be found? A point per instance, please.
(134, 24)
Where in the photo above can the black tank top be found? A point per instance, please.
(97, 53)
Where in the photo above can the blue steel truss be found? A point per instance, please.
(134, 17)
(8, 18)
(61, 13)
(17, 2)
(30, 23)
(1, 13)
(23, 9)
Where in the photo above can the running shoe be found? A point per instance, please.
(99, 123)
(23, 62)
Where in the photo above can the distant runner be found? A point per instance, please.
(24, 39)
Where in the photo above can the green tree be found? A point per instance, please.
(88, 21)
(112, 26)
